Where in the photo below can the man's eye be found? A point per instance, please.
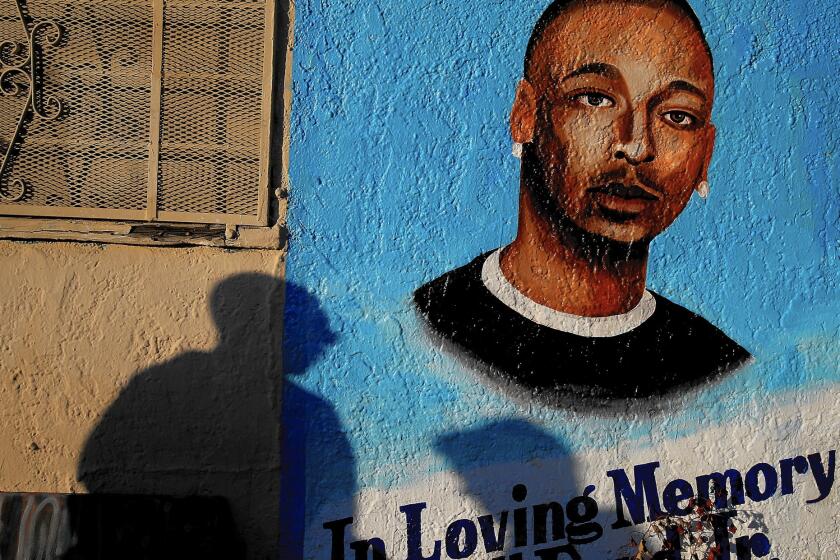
(594, 100)
(679, 118)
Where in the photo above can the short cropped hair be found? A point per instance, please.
(557, 7)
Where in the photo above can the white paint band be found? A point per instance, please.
(595, 327)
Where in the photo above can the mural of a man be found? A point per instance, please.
(613, 116)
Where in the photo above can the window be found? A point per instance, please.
(146, 111)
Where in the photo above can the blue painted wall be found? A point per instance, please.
(401, 170)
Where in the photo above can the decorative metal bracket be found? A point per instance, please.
(21, 70)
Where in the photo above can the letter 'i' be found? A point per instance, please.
(520, 516)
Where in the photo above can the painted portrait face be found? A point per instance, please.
(617, 109)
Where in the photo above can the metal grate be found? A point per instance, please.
(164, 109)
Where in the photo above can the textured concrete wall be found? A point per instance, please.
(142, 370)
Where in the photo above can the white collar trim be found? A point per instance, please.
(595, 327)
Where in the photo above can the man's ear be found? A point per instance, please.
(523, 115)
(709, 144)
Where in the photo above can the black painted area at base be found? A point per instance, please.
(110, 527)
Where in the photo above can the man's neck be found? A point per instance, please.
(567, 270)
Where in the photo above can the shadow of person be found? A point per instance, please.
(508, 464)
(319, 468)
(208, 423)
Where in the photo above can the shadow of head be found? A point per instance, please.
(245, 305)
(514, 463)
(306, 330)
(493, 458)
(501, 441)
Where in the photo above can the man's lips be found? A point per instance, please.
(620, 200)
(627, 192)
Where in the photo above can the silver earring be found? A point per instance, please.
(517, 150)
(703, 189)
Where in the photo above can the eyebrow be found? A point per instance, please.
(682, 85)
(610, 71)
(599, 68)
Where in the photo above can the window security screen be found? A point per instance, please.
(135, 110)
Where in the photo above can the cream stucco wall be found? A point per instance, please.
(116, 377)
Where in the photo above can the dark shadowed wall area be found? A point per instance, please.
(204, 422)
(144, 370)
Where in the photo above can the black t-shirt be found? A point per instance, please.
(674, 348)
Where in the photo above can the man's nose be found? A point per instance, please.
(635, 141)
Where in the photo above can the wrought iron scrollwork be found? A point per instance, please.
(21, 70)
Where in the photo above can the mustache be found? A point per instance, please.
(630, 183)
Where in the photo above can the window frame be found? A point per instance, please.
(263, 230)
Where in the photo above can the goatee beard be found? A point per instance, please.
(592, 246)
